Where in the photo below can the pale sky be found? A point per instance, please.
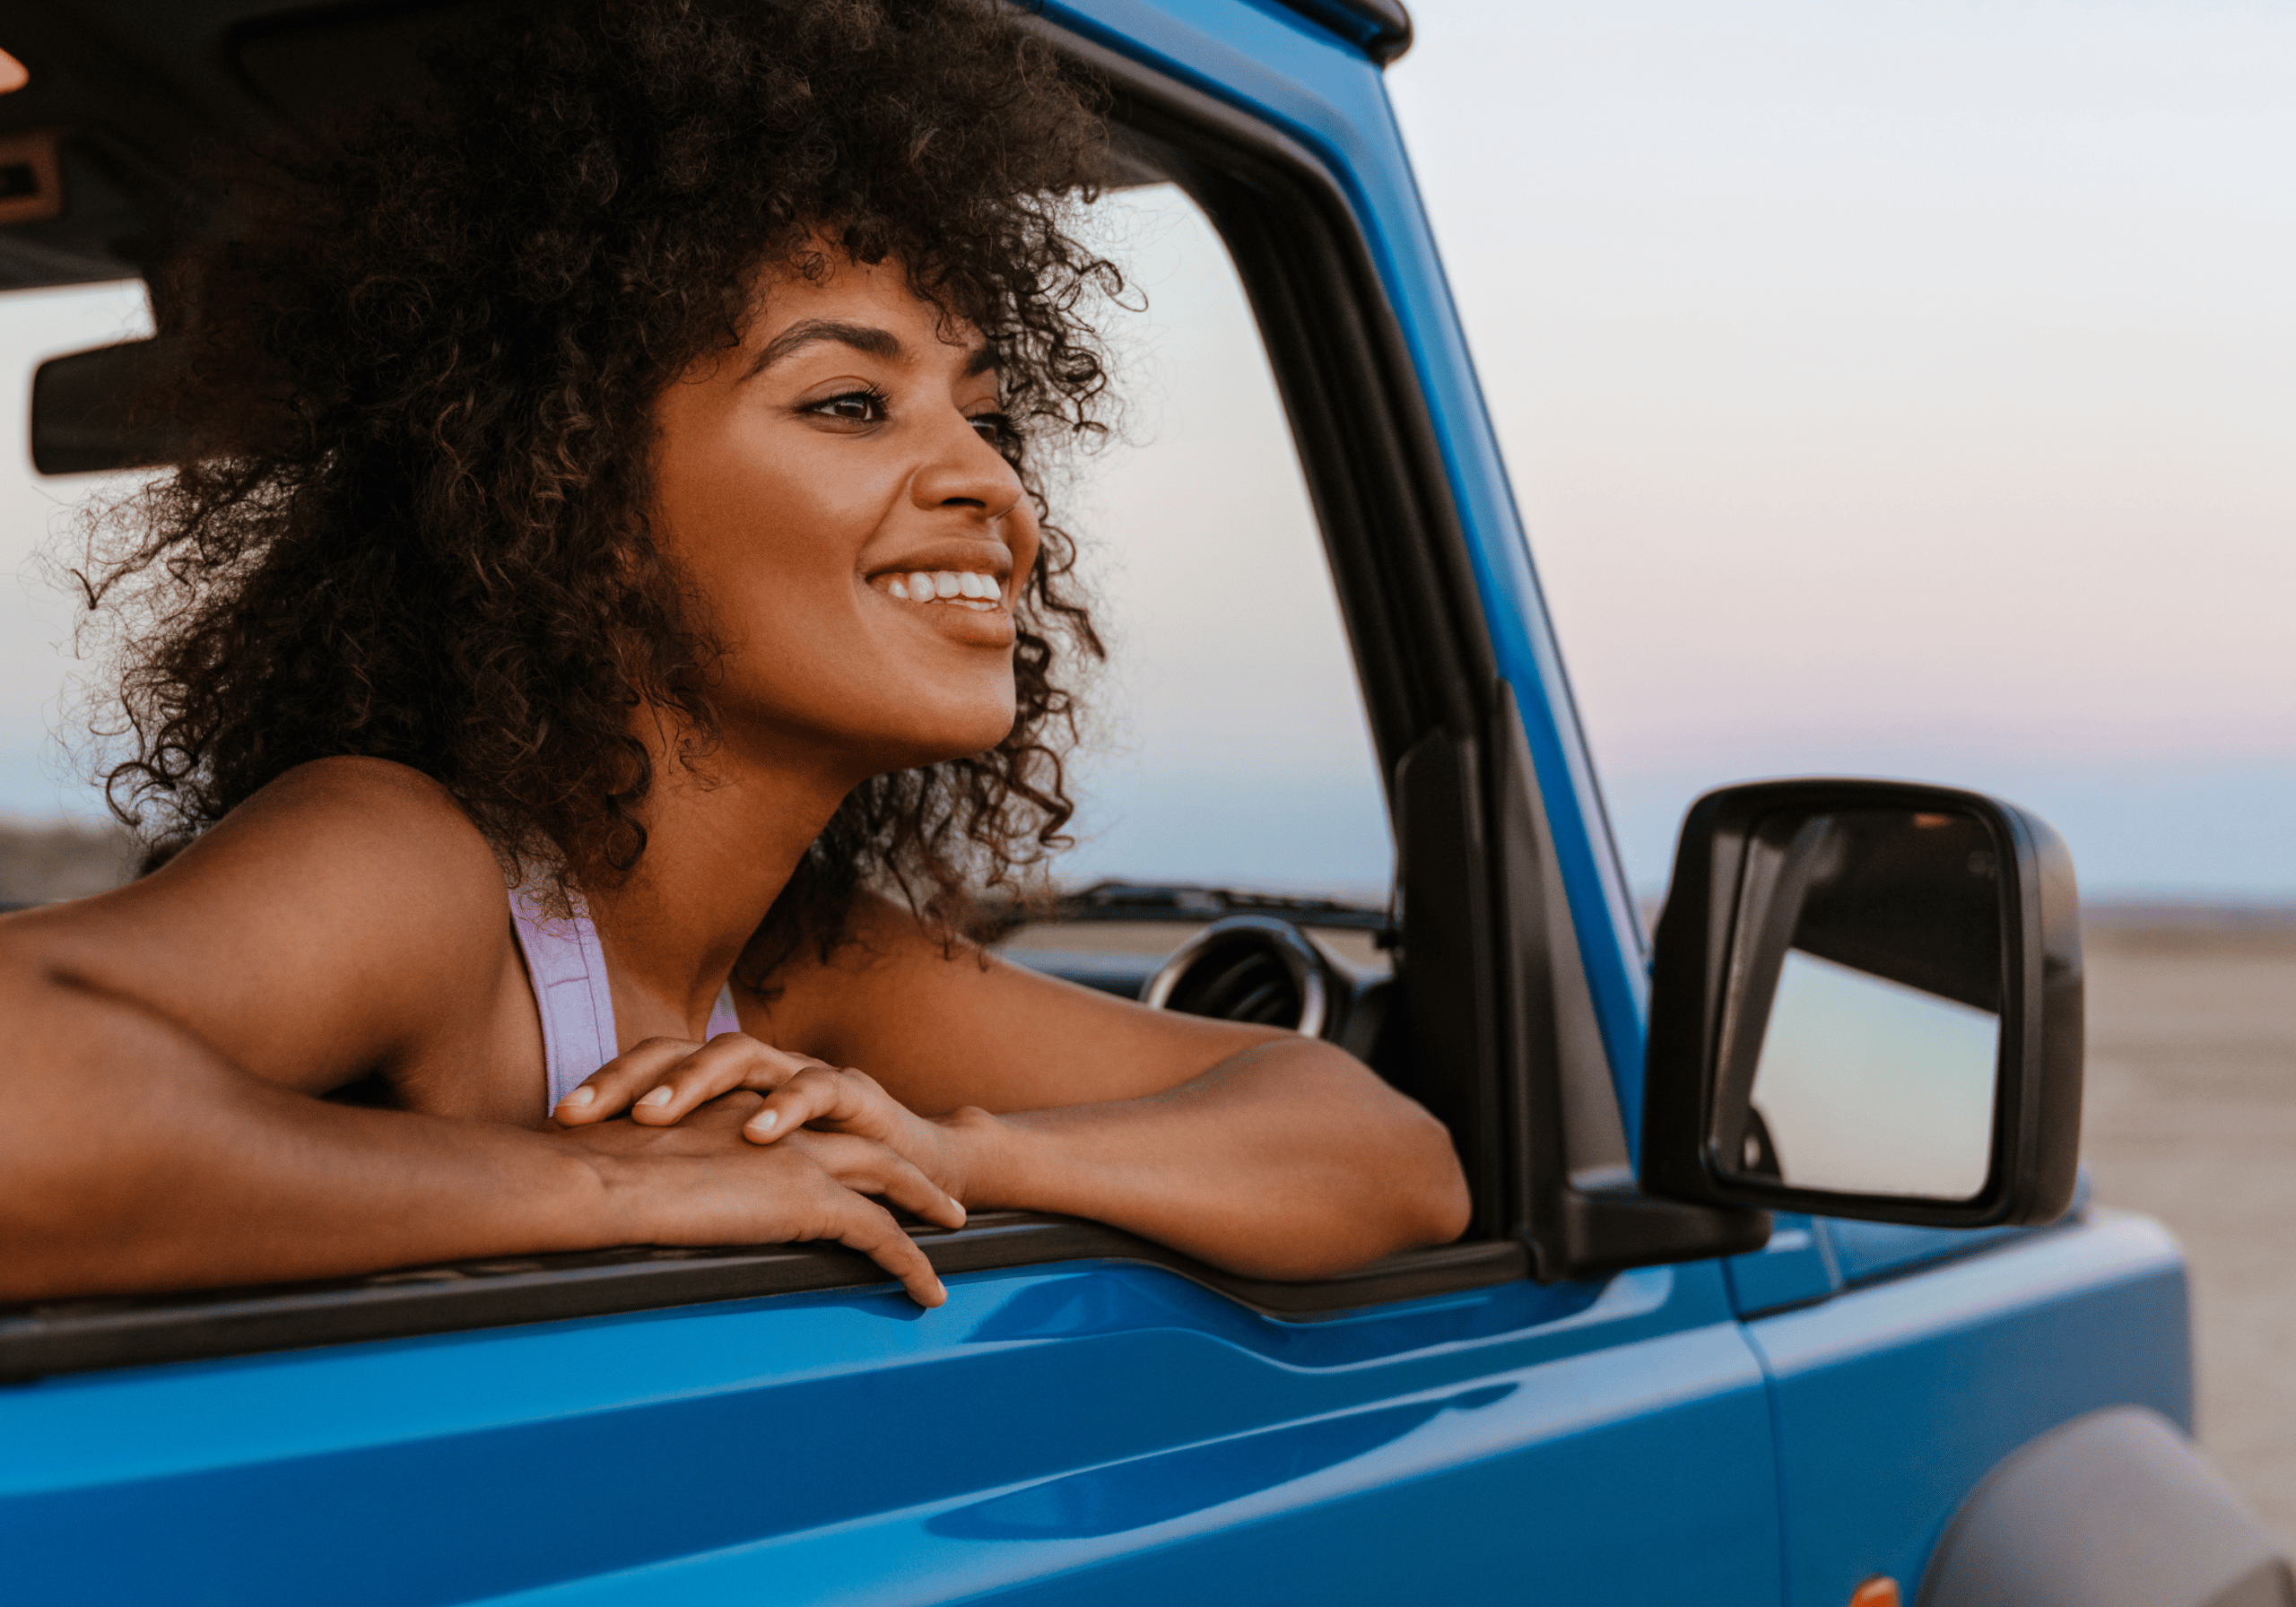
(1902, 386)
(1889, 388)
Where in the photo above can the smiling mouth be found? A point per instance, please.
(967, 589)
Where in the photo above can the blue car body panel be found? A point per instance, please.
(1770, 1429)
(1894, 1401)
(1097, 1430)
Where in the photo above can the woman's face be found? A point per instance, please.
(833, 494)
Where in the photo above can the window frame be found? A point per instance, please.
(1498, 995)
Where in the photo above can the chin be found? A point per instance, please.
(962, 736)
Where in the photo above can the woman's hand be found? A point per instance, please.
(698, 1184)
(662, 1080)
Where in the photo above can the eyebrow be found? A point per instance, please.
(815, 332)
(861, 337)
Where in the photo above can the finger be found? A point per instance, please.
(872, 1231)
(729, 1061)
(869, 1167)
(726, 1110)
(846, 1100)
(610, 1089)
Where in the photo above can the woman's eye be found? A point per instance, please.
(995, 428)
(862, 407)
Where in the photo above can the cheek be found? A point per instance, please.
(764, 536)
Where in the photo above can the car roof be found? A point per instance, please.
(124, 94)
(96, 149)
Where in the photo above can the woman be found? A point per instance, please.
(604, 625)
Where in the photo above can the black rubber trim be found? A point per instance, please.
(1380, 29)
(78, 1336)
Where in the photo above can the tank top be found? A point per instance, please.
(568, 970)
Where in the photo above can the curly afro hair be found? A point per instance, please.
(416, 378)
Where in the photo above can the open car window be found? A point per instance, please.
(1295, 668)
(1230, 739)
(1227, 768)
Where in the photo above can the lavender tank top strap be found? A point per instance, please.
(571, 994)
(722, 1018)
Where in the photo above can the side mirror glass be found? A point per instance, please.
(1866, 1001)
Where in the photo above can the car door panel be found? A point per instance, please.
(1564, 1482)
(1108, 1417)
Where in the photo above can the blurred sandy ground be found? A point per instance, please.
(41, 861)
(2190, 1116)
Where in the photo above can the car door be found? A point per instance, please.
(1090, 1417)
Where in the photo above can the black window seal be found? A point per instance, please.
(1380, 29)
(84, 1335)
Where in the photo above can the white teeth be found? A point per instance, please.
(968, 588)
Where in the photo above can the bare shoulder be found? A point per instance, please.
(350, 810)
(311, 934)
(347, 842)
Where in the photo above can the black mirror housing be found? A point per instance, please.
(1825, 875)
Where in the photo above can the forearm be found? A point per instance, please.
(135, 1157)
(1288, 1160)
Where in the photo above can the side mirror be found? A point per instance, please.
(1867, 1002)
(81, 417)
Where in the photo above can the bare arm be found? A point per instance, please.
(1255, 1149)
(1288, 1160)
(160, 1037)
(137, 1160)
(136, 1157)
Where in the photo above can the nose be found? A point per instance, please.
(965, 470)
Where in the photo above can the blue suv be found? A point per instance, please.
(1781, 1287)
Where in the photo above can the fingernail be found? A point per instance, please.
(660, 1095)
(961, 1214)
(579, 1098)
(765, 1122)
